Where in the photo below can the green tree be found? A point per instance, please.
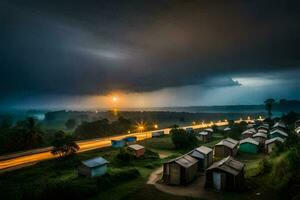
(181, 139)
(31, 133)
(63, 144)
(71, 123)
(268, 105)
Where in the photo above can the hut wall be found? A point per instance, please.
(139, 153)
(98, 171)
(248, 148)
(83, 170)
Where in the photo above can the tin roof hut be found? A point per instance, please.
(226, 147)
(204, 155)
(180, 171)
(226, 174)
(93, 167)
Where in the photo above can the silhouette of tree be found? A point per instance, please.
(268, 105)
(63, 144)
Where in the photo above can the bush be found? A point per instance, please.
(150, 154)
(125, 156)
(265, 166)
(182, 140)
(110, 180)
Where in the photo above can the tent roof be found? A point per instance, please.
(95, 162)
(228, 165)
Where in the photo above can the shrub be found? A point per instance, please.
(181, 139)
(265, 166)
(124, 155)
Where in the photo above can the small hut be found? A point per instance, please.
(270, 144)
(138, 150)
(248, 133)
(226, 147)
(280, 125)
(248, 145)
(226, 174)
(227, 129)
(260, 138)
(297, 130)
(262, 131)
(204, 155)
(130, 139)
(93, 167)
(202, 136)
(180, 171)
(158, 133)
(117, 143)
(210, 132)
(278, 133)
(189, 129)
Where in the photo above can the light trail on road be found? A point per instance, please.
(18, 160)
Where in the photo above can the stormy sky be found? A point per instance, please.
(151, 53)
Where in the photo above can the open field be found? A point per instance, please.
(32, 181)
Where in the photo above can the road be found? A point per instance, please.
(14, 161)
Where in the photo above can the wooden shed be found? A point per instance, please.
(204, 155)
(117, 143)
(226, 174)
(248, 145)
(280, 125)
(189, 129)
(130, 139)
(226, 147)
(260, 138)
(278, 133)
(158, 133)
(248, 133)
(138, 150)
(202, 136)
(210, 132)
(270, 144)
(180, 171)
(93, 167)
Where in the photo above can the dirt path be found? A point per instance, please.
(195, 189)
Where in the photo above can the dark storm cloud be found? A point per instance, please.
(92, 47)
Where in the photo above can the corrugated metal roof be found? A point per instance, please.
(249, 140)
(249, 131)
(203, 149)
(274, 140)
(209, 129)
(203, 133)
(136, 147)
(231, 143)
(228, 165)
(260, 134)
(227, 129)
(297, 130)
(279, 131)
(95, 162)
(279, 124)
(262, 131)
(184, 161)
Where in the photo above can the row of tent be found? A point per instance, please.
(227, 173)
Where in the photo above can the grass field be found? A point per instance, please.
(18, 184)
